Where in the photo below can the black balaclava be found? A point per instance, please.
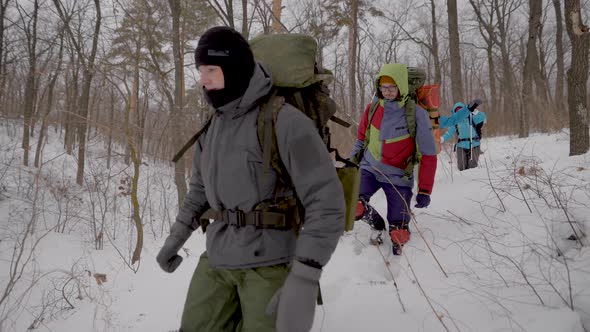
(224, 47)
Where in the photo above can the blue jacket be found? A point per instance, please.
(467, 134)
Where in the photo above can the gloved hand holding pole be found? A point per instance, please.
(474, 104)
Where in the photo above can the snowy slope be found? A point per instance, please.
(496, 232)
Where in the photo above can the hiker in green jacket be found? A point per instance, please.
(256, 274)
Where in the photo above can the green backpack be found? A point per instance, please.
(298, 81)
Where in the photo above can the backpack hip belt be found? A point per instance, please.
(275, 214)
(260, 219)
(467, 139)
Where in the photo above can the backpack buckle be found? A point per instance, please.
(234, 217)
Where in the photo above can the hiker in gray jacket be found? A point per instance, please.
(256, 274)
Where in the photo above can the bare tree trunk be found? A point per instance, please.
(179, 173)
(111, 124)
(530, 63)
(30, 86)
(3, 75)
(352, 54)
(540, 77)
(486, 30)
(94, 113)
(455, 51)
(559, 80)
(276, 16)
(88, 66)
(434, 48)
(85, 97)
(70, 115)
(135, 203)
(245, 30)
(3, 5)
(503, 12)
(577, 78)
(229, 4)
(129, 133)
(182, 28)
(492, 73)
(133, 103)
(359, 74)
(49, 104)
(40, 92)
(71, 102)
(141, 118)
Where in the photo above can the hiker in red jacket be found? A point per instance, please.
(386, 160)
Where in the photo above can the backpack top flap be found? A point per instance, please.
(290, 58)
(416, 79)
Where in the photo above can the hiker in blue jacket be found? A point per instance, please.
(468, 133)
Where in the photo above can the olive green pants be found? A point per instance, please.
(231, 300)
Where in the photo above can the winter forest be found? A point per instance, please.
(97, 96)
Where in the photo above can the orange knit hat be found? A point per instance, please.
(386, 80)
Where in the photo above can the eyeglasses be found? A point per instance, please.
(390, 88)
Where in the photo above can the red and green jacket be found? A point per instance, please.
(390, 145)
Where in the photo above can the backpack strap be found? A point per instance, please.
(411, 116)
(266, 126)
(411, 122)
(192, 140)
(476, 127)
(372, 111)
(267, 137)
(359, 155)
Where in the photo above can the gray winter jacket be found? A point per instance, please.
(228, 173)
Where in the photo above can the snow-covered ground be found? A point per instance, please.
(490, 253)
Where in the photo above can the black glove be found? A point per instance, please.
(168, 257)
(473, 105)
(422, 201)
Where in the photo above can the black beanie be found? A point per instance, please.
(224, 47)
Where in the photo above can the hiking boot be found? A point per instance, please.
(374, 219)
(369, 215)
(376, 237)
(376, 222)
(400, 235)
(397, 250)
(360, 209)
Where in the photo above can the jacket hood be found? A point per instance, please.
(259, 86)
(458, 106)
(399, 73)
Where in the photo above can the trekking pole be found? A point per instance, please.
(470, 136)
(438, 316)
(472, 106)
(399, 298)
(413, 218)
